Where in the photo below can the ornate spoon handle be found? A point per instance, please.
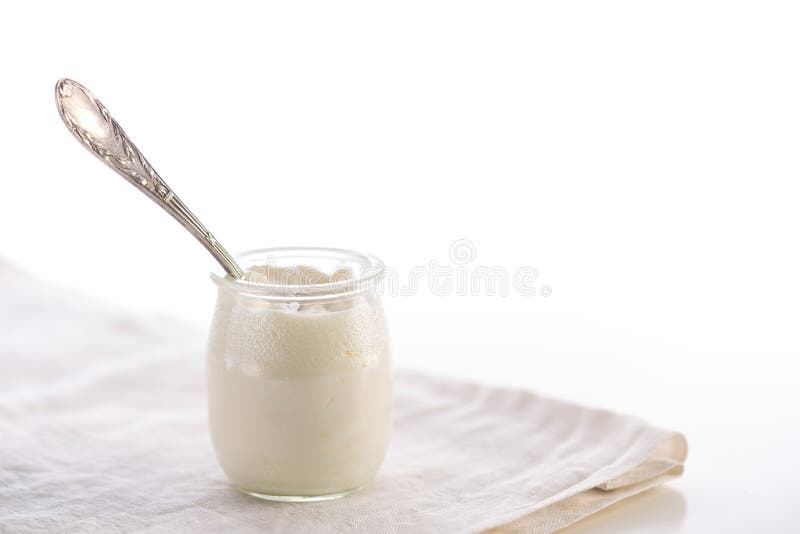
(92, 125)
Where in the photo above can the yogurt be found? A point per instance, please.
(299, 386)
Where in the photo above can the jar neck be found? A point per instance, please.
(307, 274)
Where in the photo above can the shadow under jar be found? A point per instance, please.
(299, 373)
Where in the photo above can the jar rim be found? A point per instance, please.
(371, 268)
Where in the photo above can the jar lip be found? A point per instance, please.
(370, 270)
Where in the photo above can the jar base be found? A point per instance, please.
(298, 498)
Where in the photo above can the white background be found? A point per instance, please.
(642, 156)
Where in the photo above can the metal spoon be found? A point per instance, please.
(92, 125)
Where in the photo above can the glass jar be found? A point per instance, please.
(299, 374)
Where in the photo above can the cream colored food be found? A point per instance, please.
(299, 392)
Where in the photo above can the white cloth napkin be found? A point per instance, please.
(103, 428)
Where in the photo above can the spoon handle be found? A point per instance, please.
(92, 125)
